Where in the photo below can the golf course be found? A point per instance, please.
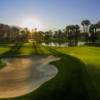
(77, 77)
(49, 49)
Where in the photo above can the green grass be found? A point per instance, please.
(91, 57)
(4, 49)
(78, 77)
(2, 64)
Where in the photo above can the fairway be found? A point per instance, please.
(90, 56)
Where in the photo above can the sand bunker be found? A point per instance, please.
(24, 75)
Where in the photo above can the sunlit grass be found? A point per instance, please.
(91, 57)
(26, 50)
(3, 49)
(87, 54)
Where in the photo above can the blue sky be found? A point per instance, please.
(54, 14)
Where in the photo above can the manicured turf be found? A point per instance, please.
(91, 57)
(78, 77)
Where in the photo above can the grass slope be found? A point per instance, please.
(91, 57)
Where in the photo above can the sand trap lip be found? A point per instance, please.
(24, 75)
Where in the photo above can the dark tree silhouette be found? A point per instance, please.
(85, 24)
(77, 32)
(69, 32)
(98, 24)
(93, 30)
(73, 34)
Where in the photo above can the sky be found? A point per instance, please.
(52, 14)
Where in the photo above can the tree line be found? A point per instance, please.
(71, 34)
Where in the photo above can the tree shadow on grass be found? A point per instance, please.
(78, 84)
(13, 52)
(38, 50)
(95, 77)
(35, 49)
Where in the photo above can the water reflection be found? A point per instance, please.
(56, 44)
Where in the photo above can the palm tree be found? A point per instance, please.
(98, 24)
(1, 31)
(85, 24)
(92, 31)
(48, 35)
(4, 32)
(76, 34)
(15, 32)
(75, 29)
(38, 36)
(25, 34)
(93, 28)
(73, 34)
(69, 33)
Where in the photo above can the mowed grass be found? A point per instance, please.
(78, 77)
(21, 50)
(4, 48)
(91, 58)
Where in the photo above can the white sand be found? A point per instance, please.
(23, 75)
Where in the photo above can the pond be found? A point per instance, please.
(61, 44)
